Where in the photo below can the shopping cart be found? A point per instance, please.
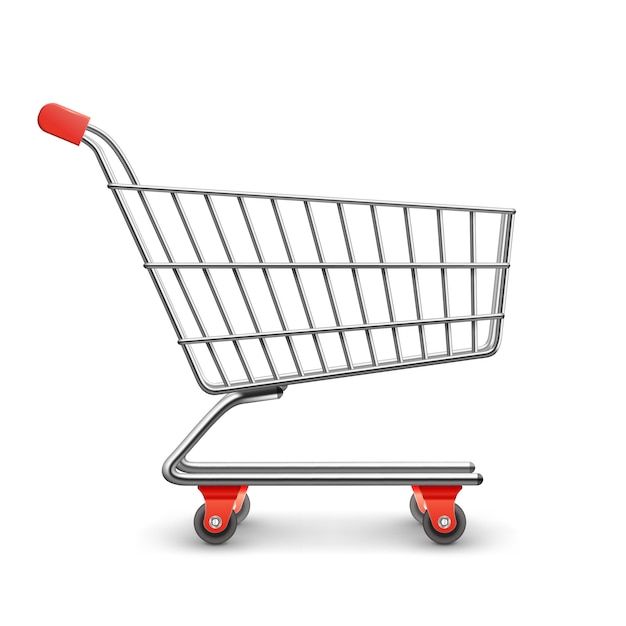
(267, 290)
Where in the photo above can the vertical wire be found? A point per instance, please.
(416, 287)
(381, 256)
(444, 279)
(183, 287)
(212, 286)
(504, 244)
(298, 280)
(504, 258)
(269, 283)
(497, 277)
(357, 282)
(240, 285)
(327, 281)
(472, 233)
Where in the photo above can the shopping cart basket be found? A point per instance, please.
(267, 290)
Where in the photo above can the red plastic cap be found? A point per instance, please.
(62, 122)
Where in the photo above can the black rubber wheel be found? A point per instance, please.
(415, 510)
(245, 509)
(445, 538)
(213, 538)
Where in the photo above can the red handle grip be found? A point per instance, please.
(62, 122)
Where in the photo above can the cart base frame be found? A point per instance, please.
(224, 485)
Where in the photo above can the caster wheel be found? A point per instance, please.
(444, 538)
(213, 538)
(415, 510)
(245, 509)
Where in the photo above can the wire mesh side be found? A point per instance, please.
(275, 290)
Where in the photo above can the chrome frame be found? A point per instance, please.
(177, 469)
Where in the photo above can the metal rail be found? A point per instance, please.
(322, 265)
(178, 470)
(269, 196)
(344, 328)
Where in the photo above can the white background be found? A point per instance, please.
(488, 103)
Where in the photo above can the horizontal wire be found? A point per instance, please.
(325, 265)
(343, 328)
(357, 369)
(271, 196)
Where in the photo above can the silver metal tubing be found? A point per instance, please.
(357, 369)
(252, 194)
(473, 295)
(324, 265)
(344, 328)
(339, 478)
(329, 286)
(501, 296)
(385, 277)
(299, 286)
(416, 288)
(178, 470)
(392, 467)
(171, 467)
(444, 280)
(503, 253)
(357, 282)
